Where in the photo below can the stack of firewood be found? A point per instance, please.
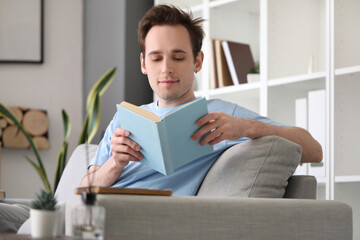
(35, 122)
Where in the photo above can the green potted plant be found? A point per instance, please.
(43, 212)
(43, 215)
(253, 74)
(90, 127)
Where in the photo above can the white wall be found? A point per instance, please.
(53, 85)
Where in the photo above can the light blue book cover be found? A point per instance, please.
(166, 143)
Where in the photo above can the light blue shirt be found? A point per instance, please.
(186, 180)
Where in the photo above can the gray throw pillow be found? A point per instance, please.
(12, 216)
(255, 168)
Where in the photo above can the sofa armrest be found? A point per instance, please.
(301, 187)
(153, 217)
(22, 201)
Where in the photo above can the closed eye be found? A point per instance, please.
(179, 58)
(156, 58)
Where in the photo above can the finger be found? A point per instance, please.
(125, 149)
(207, 118)
(120, 132)
(210, 137)
(218, 139)
(124, 157)
(204, 130)
(125, 141)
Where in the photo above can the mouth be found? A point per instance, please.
(168, 81)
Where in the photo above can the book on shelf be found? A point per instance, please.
(213, 68)
(165, 142)
(123, 190)
(2, 194)
(239, 59)
(316, 126)
(223, 73)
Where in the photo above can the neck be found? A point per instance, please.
(176, 101)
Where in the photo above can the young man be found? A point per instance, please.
(170, 42)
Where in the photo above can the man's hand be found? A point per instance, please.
(123, 148)
(123, 151)
(222, 126)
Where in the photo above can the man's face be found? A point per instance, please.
(169, 64)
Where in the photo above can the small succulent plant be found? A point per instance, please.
(255, 69)
(44, 201)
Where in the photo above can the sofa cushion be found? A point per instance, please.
(12, 216)
(255, 168)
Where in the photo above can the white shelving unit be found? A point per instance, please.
(302, 46)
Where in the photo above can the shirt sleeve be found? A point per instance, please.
(245, 113)
(103, 152)
(236, 110)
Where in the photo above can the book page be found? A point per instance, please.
(141, 111)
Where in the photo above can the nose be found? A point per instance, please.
(167, 66)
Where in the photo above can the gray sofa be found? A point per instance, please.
(249, 193)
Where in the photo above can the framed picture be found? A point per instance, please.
(21, 31)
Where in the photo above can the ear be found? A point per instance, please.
(199, 61)
(142, 61)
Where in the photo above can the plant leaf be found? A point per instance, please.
(67, 124)
(83, 135)
(61, 162)
(94, 118)
(45, 201)
(4, 111)
(101, 85)
(41, 173)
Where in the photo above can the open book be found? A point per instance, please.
(165, 142)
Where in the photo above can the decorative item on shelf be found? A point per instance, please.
(88, 218)
(311, 64)
(90, 127)
(316, 127)
(301, 120)
(43, 215)
(36, 123)
(239, 58)
(253, 75)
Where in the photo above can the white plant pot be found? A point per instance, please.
(42, 223)
(253, 77)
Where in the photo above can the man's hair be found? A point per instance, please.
(171, 15)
